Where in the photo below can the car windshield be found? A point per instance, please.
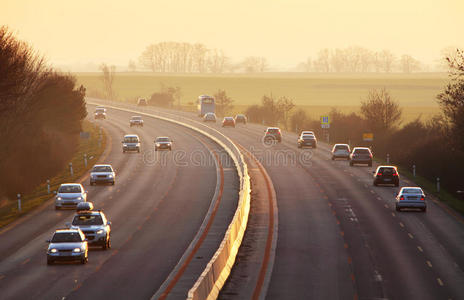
(69, 189)
(387, 170)
(228, 119)
(136, 118)
(412, 191)
(66, 237)
(102, 169)
(308, 137)
(131, 139)
(362, 151)
(163, 139)
(87, 220)
(100, 110)
(273, 130)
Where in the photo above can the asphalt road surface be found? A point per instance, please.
(156, 208)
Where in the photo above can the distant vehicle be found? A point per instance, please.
(142, 102)
(100, 113)
(102, 174)
(209, 117)
(386, 175)
(94, 225)
(305, 132)
(67, 245)
(206, 104)
(131, 142)
(341, 151)
(273, 133)
(361, 155)
(228, 121)
(307, 140)
(136, 121)
(240, 119)
(411, 197)
(69, 195)
(163, 143)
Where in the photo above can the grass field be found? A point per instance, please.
(9, 210)
(316, 93)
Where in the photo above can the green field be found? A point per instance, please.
(316, 93)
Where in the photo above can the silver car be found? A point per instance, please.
(95, 226)
(411, 197)
(131, 142)
(67, 245)
(163, 143)
(102, 174)
(136, 121)
(209, 117)
(341, 151)
(69, 195)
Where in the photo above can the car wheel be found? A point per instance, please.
(138, 150)
(49, 262)
(351, 163)
(398, 209)
(424, 209)
(84, 260)
(112, 183)
(375, 183)
(57, 207)
(397, 184)
(370, 164)
(333, 158)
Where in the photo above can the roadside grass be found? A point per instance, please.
(316, 93)
(29, 202)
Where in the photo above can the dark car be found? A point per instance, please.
(142, 102)
(240, 119)
(361, 155)
(386, 175)
(307, 140)
(100, 113)
(95, 226)
(163, 143)
(273, 134)
(228, 121)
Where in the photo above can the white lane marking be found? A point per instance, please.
(386, 206)
(372, 192)
(429, 263)
(420, 248)
(379, 198)
(393, 214)
(440, 282)
(410, 235)
(401, 224)
(377, 276)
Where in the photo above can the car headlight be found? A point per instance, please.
(157, 144)
(58, 198)
(77, 250)
(110, 176)
(100, 231)
(53, 250)
(79, 198)
(124, 145)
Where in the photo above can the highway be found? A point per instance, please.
(156, 208)
(340, 237)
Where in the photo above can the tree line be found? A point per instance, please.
(358, 59)
(175, 57)
(40, 116)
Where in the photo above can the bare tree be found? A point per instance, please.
(380, 111)
(108, 74)
(223, 103)
(387, 59)
(254, 64)
(284, 106)
(409, 64)
(322, 63)
(131, 67)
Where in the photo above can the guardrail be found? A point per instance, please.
(218, 269)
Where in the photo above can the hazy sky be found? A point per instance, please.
(283, 31)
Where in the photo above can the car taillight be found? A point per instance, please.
(402, 198)
(379, 174)
(395, 174)
(422, 198)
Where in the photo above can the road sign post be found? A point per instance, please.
(19, 202)
(71, 169)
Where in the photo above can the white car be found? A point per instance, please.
(341, 151)
(131, 142)
(69, 195)
(102, 174)
(307, 132)
(209, 117)
(411, 197)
